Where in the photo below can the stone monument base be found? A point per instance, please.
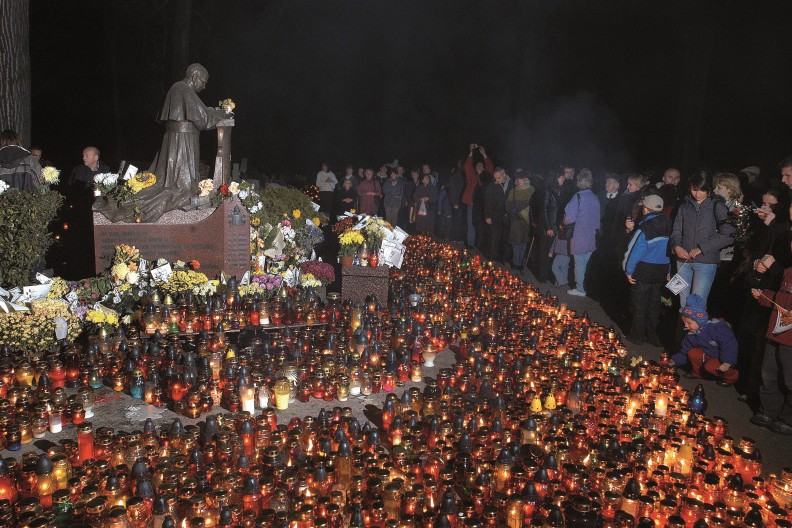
(217, 238)
(358, 282)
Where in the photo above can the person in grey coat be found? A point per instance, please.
(393, 189)
(700, 232)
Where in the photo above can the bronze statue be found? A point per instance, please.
(176, 164)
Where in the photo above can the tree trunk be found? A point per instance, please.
(15, 68)
(180, 57)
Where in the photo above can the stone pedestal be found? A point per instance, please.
(358, 282)
(218, 238)
(222, 171)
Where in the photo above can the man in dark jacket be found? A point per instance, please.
(614, 301)
(456, 187)
(494, 211)
(646, 266)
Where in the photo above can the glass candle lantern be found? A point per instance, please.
(86, 398)
(136, 384)
(24, 374)
(55, 421)
(282, 390)
(247, 398)
(85, 442)
(61, 471)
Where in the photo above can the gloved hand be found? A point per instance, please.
(724, 367)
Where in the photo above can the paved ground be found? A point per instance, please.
(121, 412)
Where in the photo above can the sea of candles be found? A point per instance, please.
(543, 420)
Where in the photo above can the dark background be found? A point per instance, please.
(615, 84)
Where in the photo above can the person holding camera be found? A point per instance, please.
(475, 178)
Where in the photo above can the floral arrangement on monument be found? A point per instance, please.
(349, 242)
(108, 185)
(376, 231)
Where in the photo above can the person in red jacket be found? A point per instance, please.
(473, 180)
(775, 397)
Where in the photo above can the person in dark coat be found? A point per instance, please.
(407, 213)
(548, 221)
(456, 186)
(603, 263)
(19, 169)
(425, 198)
(518, 209)
(345, 198)
(494, 211)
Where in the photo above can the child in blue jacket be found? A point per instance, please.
(710, 344)
(646, 265)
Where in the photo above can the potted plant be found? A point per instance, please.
(349, 243)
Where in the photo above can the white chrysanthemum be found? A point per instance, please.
(256, 208)
(133, 277)
(50, 174)
(106, 178)
(3, 186)
(288, 232)
(244, 193)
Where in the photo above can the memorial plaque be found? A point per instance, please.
(217, 238)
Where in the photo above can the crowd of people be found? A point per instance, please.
(698, 261)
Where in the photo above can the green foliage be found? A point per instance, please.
(281, 202)
(24, 238)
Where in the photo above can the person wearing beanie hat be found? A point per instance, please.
(709, 345)
(646, 265)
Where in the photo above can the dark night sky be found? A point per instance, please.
(363, 82)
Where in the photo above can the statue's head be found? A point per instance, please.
(196, 77)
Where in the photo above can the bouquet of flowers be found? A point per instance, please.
(318, 270)
(105, 182)
(227, 104)
(132, 186)
(376, 230)
(268, 283)
(102, 317)
(349, 243)
(205, 187)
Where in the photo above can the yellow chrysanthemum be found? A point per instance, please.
(296, 213)
(317, 221)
